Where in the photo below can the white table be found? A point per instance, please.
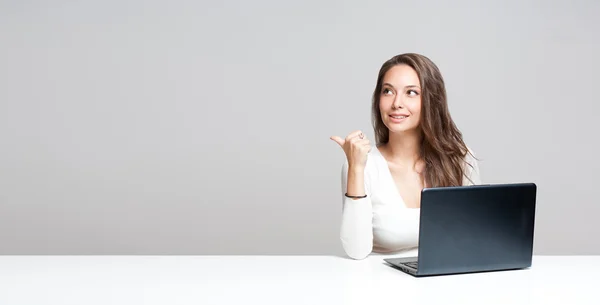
(203, 280)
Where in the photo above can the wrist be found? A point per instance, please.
(356, 196)
(356, 168)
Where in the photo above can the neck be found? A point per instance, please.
(404, 147)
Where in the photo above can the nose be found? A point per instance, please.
(398, 103)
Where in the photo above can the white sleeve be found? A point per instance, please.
(356, 231)
(472, 174)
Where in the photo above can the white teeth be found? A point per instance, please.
(399, 117)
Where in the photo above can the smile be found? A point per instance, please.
(398, 118)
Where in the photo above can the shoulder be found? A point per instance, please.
(470, 157)
(471, 168)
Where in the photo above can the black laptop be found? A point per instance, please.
(476, 228)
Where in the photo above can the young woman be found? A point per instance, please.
(417, 145)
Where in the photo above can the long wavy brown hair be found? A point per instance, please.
(442, 147)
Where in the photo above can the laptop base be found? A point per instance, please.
(405, 264)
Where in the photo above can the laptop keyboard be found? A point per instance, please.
(412, 264)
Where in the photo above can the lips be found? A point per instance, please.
(397, 118)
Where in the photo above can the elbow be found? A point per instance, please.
(357, 252)
(358, 255)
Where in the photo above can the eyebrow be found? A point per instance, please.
(409, 86)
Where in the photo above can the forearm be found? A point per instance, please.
(357, 227)
(356, 183)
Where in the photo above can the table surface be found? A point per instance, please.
(284, 280)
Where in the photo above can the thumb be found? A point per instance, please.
(338, 140)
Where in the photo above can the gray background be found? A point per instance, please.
(136, 127)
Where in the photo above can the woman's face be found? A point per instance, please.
(400, 99)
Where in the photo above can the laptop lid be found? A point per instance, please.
(476, 228)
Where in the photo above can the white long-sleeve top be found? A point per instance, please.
(382, 222)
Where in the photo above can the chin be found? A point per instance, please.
(399, 128)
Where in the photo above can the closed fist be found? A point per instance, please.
(356, 146)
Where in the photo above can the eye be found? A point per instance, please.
(413, 93)
(386, 91)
